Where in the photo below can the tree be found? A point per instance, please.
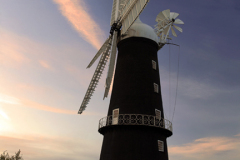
(5, 156)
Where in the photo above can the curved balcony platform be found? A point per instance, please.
(136, 120)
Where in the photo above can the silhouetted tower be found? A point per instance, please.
(135, 128)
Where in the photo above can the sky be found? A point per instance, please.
(45, 47)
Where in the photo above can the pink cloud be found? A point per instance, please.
(38, 106)
(27, 103)
(17, 50)
(45, 64)
(207, 147)
(6, 99)
(11, 49)
(35, 105)
(81, 20)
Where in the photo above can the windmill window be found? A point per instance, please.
(155, 87)
(154, 65)
(160, 146)
(115, 115)
(158, 114)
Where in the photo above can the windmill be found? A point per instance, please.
(135, 127)
(166, 21)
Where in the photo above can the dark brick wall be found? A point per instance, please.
(133, 93)
(134, 77)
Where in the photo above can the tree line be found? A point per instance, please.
(5, 156)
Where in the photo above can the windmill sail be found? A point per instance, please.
(178, 28)
(102, 49)
(114, 10)
(173, 15)
(96, 76)
(111, 65)
(130, 13)
(178, 21)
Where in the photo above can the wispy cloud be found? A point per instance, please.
(45, 64)
(35, 105)
(81, 20)
(11, 49)
(31, 104)
(42, 107)
(8, 99)
(27, 103)
(18, 50)
(4, 115)
(208, 148)
(5, 122)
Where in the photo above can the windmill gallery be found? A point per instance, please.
(135, 128)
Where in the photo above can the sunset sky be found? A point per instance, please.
(45, 47)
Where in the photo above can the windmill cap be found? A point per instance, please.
(139, 29)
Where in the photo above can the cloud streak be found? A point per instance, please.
(35, 105)
(209, 148)
(4, 115)
(42, 107)
(17, 50)
(81, 20)
(11, 49)
(31, 104)
(27, 103)
(8, 99)
(45, 64)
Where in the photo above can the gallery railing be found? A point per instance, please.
(136, 119)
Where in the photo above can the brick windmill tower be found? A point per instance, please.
(135, 128)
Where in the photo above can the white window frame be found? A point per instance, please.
(158, 113)
(156, 87)
(115, 117)
(154, 65)
(160, 146)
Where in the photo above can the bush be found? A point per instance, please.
(5, 156)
